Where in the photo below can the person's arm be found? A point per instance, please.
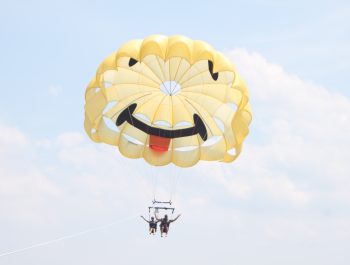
(175, 218)
(144, 219)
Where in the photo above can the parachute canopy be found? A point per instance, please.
(168, 99)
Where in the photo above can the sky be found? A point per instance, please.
(284, 201)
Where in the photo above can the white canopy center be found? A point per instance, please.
(170, 87)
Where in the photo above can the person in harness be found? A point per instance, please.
(165, 224)
(152, 225)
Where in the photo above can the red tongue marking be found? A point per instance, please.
(159, 144)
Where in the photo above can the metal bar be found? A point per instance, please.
(161, 208)
(168, 202)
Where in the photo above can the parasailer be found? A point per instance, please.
(168, 100)
(165, 224)
(152, 225)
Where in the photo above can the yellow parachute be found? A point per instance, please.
(168, 100)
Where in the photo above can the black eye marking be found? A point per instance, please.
(132, 62)
(215, 76)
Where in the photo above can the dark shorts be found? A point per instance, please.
(164, 228)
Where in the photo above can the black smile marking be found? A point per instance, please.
(199, 127)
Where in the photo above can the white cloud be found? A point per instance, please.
(300, 137)
(48, 181)
(70, 139)
(290, 184)
(27, 196)
(25, 189)
(11, 137)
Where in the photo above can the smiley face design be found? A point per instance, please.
(168, 100)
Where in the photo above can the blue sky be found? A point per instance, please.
(60, 43)
(286, 194)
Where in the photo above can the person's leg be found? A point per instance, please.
(161, 230)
